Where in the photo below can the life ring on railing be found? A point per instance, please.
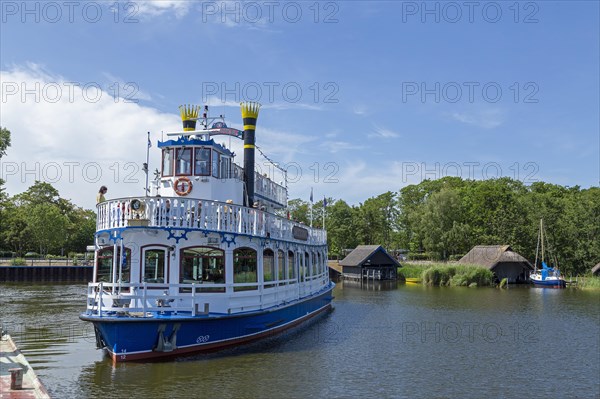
(183, 186)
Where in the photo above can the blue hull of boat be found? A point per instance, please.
(549, 283)
(136, 338)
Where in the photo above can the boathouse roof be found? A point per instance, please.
(491, 256)
(596, 269)
(370, 254)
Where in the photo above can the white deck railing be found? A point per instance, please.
(146, 299)
(187, 213)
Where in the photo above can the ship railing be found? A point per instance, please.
(187, 213)
(148, 299)
(267, 188)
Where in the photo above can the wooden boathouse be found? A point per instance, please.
(501, 260)
(370, 262)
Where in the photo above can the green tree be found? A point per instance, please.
(4, 140)
(299, 210)
(341, 228)
(4, 144)
(47, 226)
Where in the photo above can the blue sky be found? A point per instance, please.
(373, 95)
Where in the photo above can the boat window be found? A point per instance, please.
(280, 265)
(291, 266)
(202, 265)
(183, 163)
(167, 162)
(307, 264)
(244, 268)
(105, 265)
(269, 266)
(315, 264)
(154, 266)
(225, 167)
(301, 267)
(215, 164)
(202, 162)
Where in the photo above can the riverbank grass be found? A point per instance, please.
(454, 275)
(589, 283)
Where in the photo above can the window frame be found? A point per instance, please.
(177, 161)
(236, 258)
(166, 266)
(202, 284)
(208, 162)
(167, 150)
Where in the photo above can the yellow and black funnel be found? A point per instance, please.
(189, 115)
(249, 115)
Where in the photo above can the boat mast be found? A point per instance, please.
(542, 235)
(537, 251)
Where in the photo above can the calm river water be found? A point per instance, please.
(380, 341)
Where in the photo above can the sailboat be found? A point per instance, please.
(546, 276)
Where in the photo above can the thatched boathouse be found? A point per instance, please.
(501, 260)
(370, 262)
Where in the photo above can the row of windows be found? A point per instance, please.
(205, 265)
(203, 161)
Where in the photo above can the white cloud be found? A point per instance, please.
(335, 146)
(155, 8)
(74, 138)
(486, 119)
(383, 133)
(360, 110)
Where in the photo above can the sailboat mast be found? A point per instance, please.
(542, 235)
(537, 251)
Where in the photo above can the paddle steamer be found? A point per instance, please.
(209, 260)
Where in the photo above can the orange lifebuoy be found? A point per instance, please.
(183, 186)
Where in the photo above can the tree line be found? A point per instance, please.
(443, 219)
(39, 220)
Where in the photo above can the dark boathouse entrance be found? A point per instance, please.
(370, 262)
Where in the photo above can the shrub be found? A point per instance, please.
(18, 262)
(460, 275)
(32, 255)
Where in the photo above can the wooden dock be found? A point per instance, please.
(11, 360)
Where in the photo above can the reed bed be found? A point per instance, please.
(454, 275)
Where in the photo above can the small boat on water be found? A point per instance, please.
(545, 276)
(207, 261)
(413, 280)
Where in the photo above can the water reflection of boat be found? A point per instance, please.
(546, 276)
(208, 263)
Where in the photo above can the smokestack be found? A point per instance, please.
(189, 115)
(249, 115)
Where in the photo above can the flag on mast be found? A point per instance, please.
(311, 208)
(324, 209)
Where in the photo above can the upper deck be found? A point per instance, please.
(176, 213)
(209, 171)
